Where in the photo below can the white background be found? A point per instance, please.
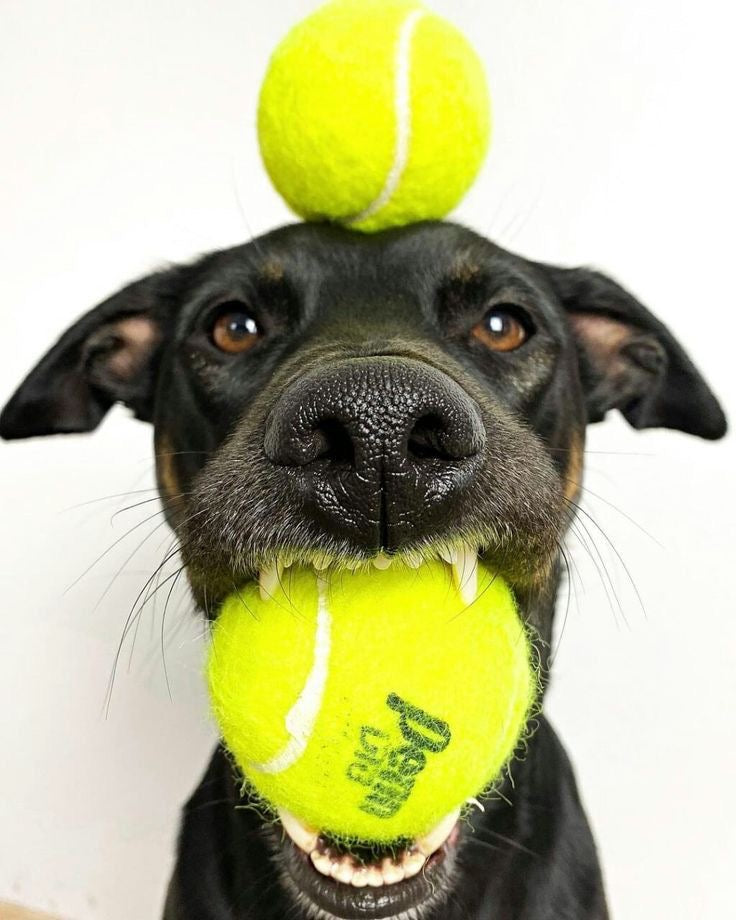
(128, 141)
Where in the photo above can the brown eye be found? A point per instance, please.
(502, 329)
(235, 330)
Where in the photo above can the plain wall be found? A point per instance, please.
(128, 141)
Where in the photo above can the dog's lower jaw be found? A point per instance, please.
(531, 858)
(321, 898)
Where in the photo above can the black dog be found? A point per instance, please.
(321, 393)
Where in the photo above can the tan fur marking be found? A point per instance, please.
(464, 269)
(168, 479)
(574, 469)
(272, 270)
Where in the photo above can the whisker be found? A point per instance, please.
(163, 628)
(138, 619)
(620, 511)
(146, 501)
(107, 498)
(620, 558)
(137, 549)
(135, 611)
(599, 563)
(600, 453)
(180, 453)
(509, 841)
(109, 549)
(556, 649)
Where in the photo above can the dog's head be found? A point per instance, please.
(330, 398)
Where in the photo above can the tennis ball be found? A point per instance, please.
(372, 704)
(373, 113)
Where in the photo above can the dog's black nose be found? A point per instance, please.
(379, 448)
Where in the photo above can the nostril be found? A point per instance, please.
(428, 439)
(332, 442)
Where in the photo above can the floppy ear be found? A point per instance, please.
(630, 361)
(109, 355)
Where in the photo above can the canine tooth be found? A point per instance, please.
(302, 836)
(413, 863)
(413, 562)
(360, 877)
(269, 579)
(432, 841)
(375, 876)
(382, 562)
(322, 862)
(321, 563)
(448, 555)
(392, 872)
(465, 573)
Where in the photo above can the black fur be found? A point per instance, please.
(261, 452)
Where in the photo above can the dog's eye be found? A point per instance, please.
(503, 329)
(235, 329)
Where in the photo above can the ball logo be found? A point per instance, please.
(389, 771)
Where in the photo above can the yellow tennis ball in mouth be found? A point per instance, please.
(371, 705)
(373, 113)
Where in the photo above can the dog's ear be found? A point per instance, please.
(630, 361)
(109, 355)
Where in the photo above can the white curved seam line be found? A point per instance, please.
(302, 716)
(402, 111)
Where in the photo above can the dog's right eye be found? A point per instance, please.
(235, 329)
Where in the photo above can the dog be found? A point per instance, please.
(319, 394)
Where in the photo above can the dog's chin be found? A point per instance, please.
(328, 882)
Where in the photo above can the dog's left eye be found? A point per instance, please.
(503, 329)
(235, 329)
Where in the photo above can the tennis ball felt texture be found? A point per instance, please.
(373, 704)
(373, 113)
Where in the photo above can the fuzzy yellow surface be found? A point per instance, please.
(424, 701)
(328, 120)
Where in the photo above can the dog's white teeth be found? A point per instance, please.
(392, 871)
(360, 877)
(432, 841)
(301, 835)
(413, 862)
(413, 562)
(375, 877)
(382, 562)
(321, 563)
(410, 862)
(321, 862)
(269, 579)
(342, 870)
(465, 573)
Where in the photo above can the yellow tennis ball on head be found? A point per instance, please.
(371, 705)
(373, 113)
